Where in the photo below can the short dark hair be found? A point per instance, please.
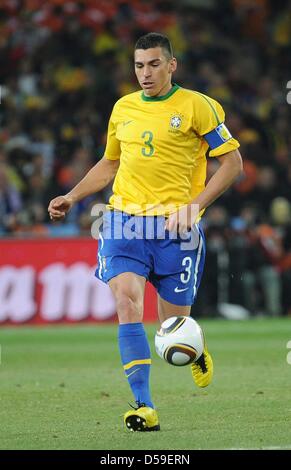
(155, 40)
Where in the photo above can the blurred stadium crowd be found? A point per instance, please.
(64, 63)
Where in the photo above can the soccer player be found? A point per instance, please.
(156, 153)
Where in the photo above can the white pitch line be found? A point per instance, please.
(288, 446)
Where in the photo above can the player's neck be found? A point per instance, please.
(165, 90)
(163, 95)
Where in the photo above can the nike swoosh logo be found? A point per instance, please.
(127, 122)
(133, 372)
(180, 290)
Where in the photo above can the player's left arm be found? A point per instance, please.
(230, 168)
(208, 122)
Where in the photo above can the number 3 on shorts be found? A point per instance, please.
(187, 262)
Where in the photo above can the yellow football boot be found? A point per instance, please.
(142, 419)
(202, 369)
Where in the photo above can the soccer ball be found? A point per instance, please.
(179, 341)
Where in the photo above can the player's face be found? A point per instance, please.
(154, 70)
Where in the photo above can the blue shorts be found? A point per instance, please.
(140, 245)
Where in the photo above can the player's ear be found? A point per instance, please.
(173, 65)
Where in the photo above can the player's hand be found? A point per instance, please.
(59, 207)
(182, 220)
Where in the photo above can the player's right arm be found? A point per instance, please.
(95, 180)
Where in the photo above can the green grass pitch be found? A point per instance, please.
(62, 387)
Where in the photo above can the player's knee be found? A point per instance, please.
(128, 302)
(129, 307)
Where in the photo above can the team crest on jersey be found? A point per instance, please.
(176, 121)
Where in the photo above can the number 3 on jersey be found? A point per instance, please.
(148, 150)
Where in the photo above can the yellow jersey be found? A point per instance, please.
(162, 143)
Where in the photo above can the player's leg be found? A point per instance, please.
(125, 267)
(202, 369)
(167, 309)
(128, 290)
(178, 275)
